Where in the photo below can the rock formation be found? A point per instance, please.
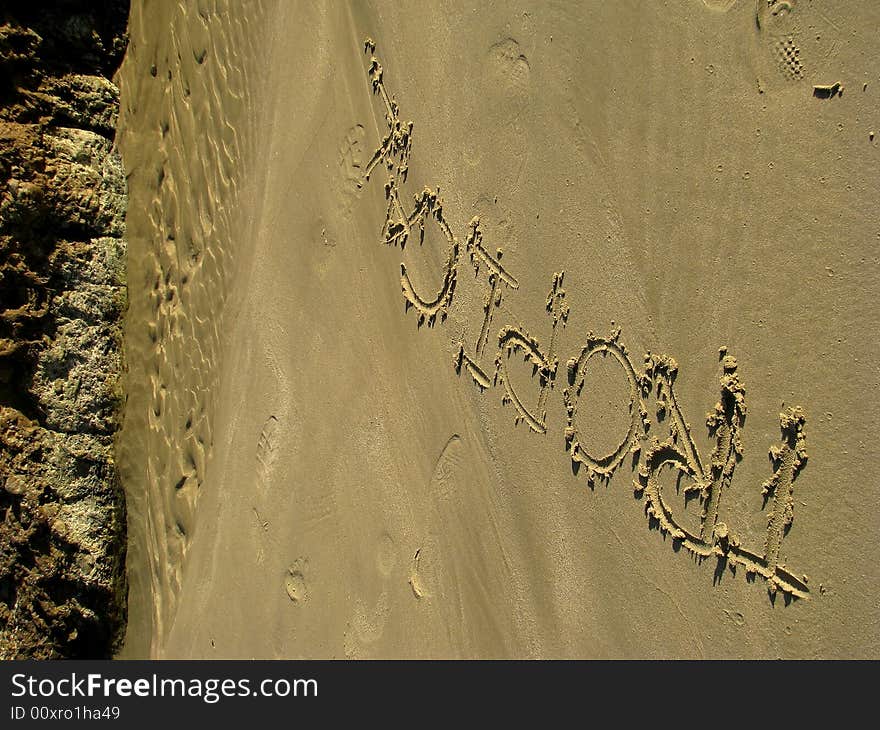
(62, 297)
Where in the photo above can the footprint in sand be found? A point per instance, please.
(271, 337)
(510, 73)
(795, 41)
(267, 450)
(366, 627)
(446, 469)
(295, 581)
(386, 559)
(183, 506)
(350, 163)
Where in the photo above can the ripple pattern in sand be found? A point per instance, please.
(187, 108)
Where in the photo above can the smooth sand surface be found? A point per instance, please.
(352, 434)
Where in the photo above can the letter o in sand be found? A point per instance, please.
(606, 465)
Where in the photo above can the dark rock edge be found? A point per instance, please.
(62, 299)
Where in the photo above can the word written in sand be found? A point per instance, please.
(650, 385)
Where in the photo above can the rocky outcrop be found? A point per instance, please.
(62, 296)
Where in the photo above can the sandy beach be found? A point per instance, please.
(505, 330)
